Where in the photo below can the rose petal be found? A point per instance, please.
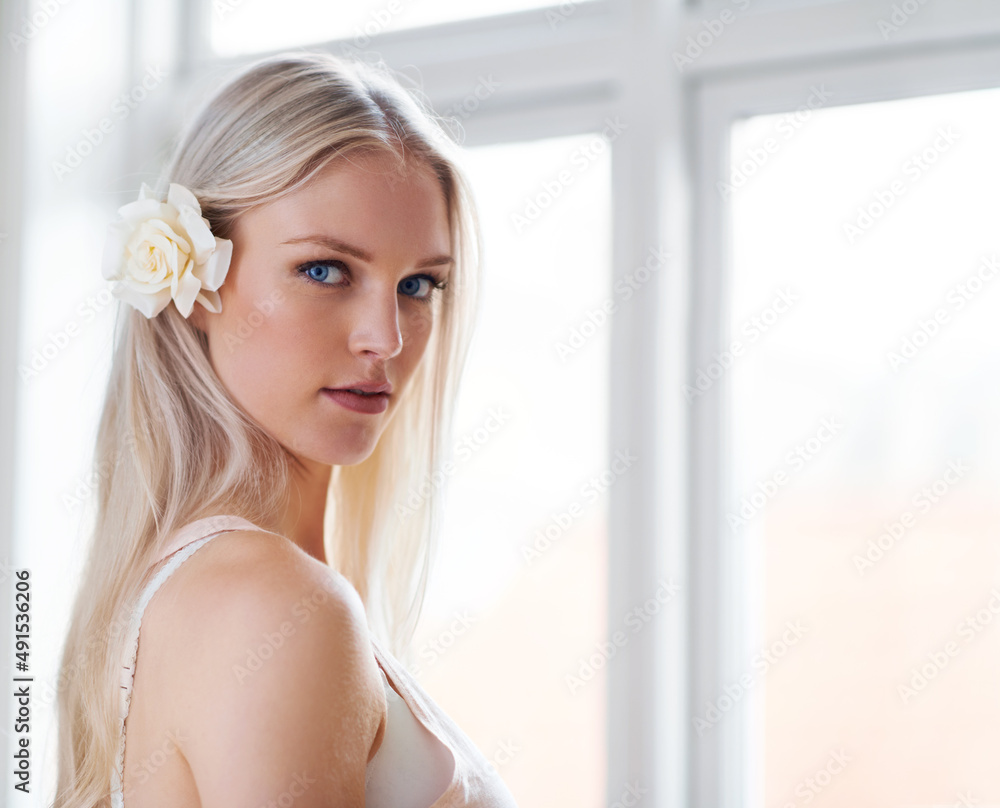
(185, 292)
(150, 286)
(179, 267)
(163, 229)
(198, 231)
(165, 241)
(149, 304)
(213, 272)
(135, 213)
(115, 244)
(210, 299)
(180, 197)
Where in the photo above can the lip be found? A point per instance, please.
(367, 387)
(371, 404)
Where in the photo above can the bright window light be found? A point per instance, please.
(517, 603)
(865, 359)
(250, 26)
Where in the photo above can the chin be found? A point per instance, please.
(352, 460)
(340, 455)
(351, 456)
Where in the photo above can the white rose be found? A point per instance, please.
(165, 250)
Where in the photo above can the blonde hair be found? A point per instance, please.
(172, 444)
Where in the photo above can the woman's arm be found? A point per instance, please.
(281, 693)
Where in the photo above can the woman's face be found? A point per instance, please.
(331, 288)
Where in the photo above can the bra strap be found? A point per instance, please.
(202, 528)
(199, 531)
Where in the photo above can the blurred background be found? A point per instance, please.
(723, 531)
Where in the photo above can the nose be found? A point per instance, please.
(376, 324)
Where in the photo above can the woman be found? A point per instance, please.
(300, 306)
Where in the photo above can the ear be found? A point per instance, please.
(197, 317)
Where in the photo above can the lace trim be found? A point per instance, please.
(127, 674)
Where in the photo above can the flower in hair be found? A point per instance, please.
(163, 251)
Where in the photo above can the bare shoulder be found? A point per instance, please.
(268, 674)
(263, 569)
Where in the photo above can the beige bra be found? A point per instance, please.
(424, 760)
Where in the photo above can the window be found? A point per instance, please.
(865, 450)
(248, 26)
(840, 373)
(521, 583)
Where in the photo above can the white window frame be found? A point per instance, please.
(768, 64)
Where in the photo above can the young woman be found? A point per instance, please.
(298, 311)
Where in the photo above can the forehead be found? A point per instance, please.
(364, 196)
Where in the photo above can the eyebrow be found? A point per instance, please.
(342, 246)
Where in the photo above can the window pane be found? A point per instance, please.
(866, 447)
(518, 597)
(248, 26)
(74, 139)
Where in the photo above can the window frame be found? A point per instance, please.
(740, 78)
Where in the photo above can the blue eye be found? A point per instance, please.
(420, 287)
(320, 271)
(412, 286)
(336, 273)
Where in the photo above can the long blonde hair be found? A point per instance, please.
(172, 444)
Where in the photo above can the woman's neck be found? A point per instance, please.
(305, 506)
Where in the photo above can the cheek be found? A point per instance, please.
(416, 332)
(258, 347)
(420, 323)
